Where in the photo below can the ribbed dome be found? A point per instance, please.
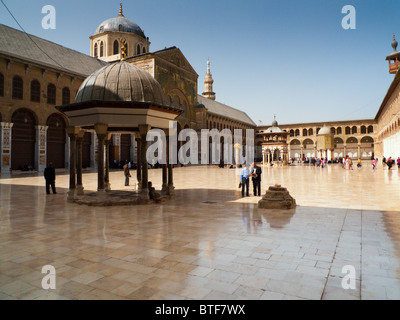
(324, 130)
(120, 24)
(121, 81)
(274, 130)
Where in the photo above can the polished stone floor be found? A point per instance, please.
(208, 242)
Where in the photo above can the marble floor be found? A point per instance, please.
(208, 243)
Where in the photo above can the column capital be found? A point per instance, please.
(6, 125)
(144, 128)
(101, 128)
(80, 135)
(72, 131)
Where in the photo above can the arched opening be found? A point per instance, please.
(1, 85)
(35, 91)
(96, 53)
(363, 129)
(126, 147)
(56, 139)
(352, 140)
(144, 50)
(305, 132)
(297, 132)
(66, 96)
(354, 130)
(292, 133)
(138, 49)
(367, 139)
(101, 49)
(333, 130)
(116, 47)
(18, 88)
(310, 132)
(347, 130)
(23, 140)
(86, 146)
(339, 130)
(51, 94)
(370, 129)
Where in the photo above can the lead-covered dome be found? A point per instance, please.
(324, 131)
(121, 81)
(120, 24)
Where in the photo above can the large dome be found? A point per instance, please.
(120, 24)
(121, 81)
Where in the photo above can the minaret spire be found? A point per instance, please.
(208, 83)
(121, 11)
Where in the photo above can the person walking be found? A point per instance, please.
(244, 178)
(374, 163)
(256, 177)
(126, 173)
(398, 162)
(50, 177)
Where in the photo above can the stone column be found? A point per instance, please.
(72, 133)
(5, 146)
(139, 161)
(315, 151)
(165, 168)
(263, 157)
(107, 143)
(101, 131)
(79, 143)
(237, 147)
(143, 129)
(132, 149)
(170, 173)
(344, 151)
(359, 151)
(94, 150)
(40, 148)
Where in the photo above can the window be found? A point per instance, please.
(138, 49)
(304, 132)
(339, 130)
(354, 129)
(310, 132)
(1, 85)
(144, 50)
(101, 49)
(51, 94)
(292, 133)
(35, 91)
(370, 129)
(18, 88)
(116, 47)
(66, 96)
(363, 129)
(347, 130)
(333, 130)
(121, 28)
(96, 53)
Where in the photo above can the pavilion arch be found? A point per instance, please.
(352, 140)
(23, 139)
(56, 139)
(367, 139)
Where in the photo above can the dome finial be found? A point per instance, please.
(274, 123)
(123, 49)
(121, 12)
(394, 43)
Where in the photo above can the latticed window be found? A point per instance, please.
(116, 47)
(18, 88)
(51, 94)
(35, 91)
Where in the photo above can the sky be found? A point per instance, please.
(291, 58)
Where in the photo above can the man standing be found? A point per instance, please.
(126, 173)
(256, 177)
(244, 178)
(50, 176)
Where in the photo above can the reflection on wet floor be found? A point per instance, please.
(208, 242)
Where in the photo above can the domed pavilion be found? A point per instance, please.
(274, 144)
(118, 98)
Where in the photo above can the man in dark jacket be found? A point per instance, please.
(256, 177)
(50, 176)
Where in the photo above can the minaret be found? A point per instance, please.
(394, 58)
(208, 84)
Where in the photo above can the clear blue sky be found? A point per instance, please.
(291, 58)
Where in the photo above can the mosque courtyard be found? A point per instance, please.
(208, 243)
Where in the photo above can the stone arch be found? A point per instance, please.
(295, 142)
(339, 130)
(307, 142)
(352, 140)
(367, 139)
(23, 139)
(347, 130)
(353, 130)
(363, 130)
(338, 140)
(297, 132)
(310, 132)
(292, 133)
(305, 132)
(370, 129)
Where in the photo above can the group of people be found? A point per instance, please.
(390, 162)
(254, 172)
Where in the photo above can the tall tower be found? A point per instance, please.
(394, 58)
(208, 84)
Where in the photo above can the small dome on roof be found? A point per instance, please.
(324, 130)
(273, 130)
(121, 81)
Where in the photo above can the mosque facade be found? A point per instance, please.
(33, 132)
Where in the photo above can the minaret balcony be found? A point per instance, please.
(394, 66)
